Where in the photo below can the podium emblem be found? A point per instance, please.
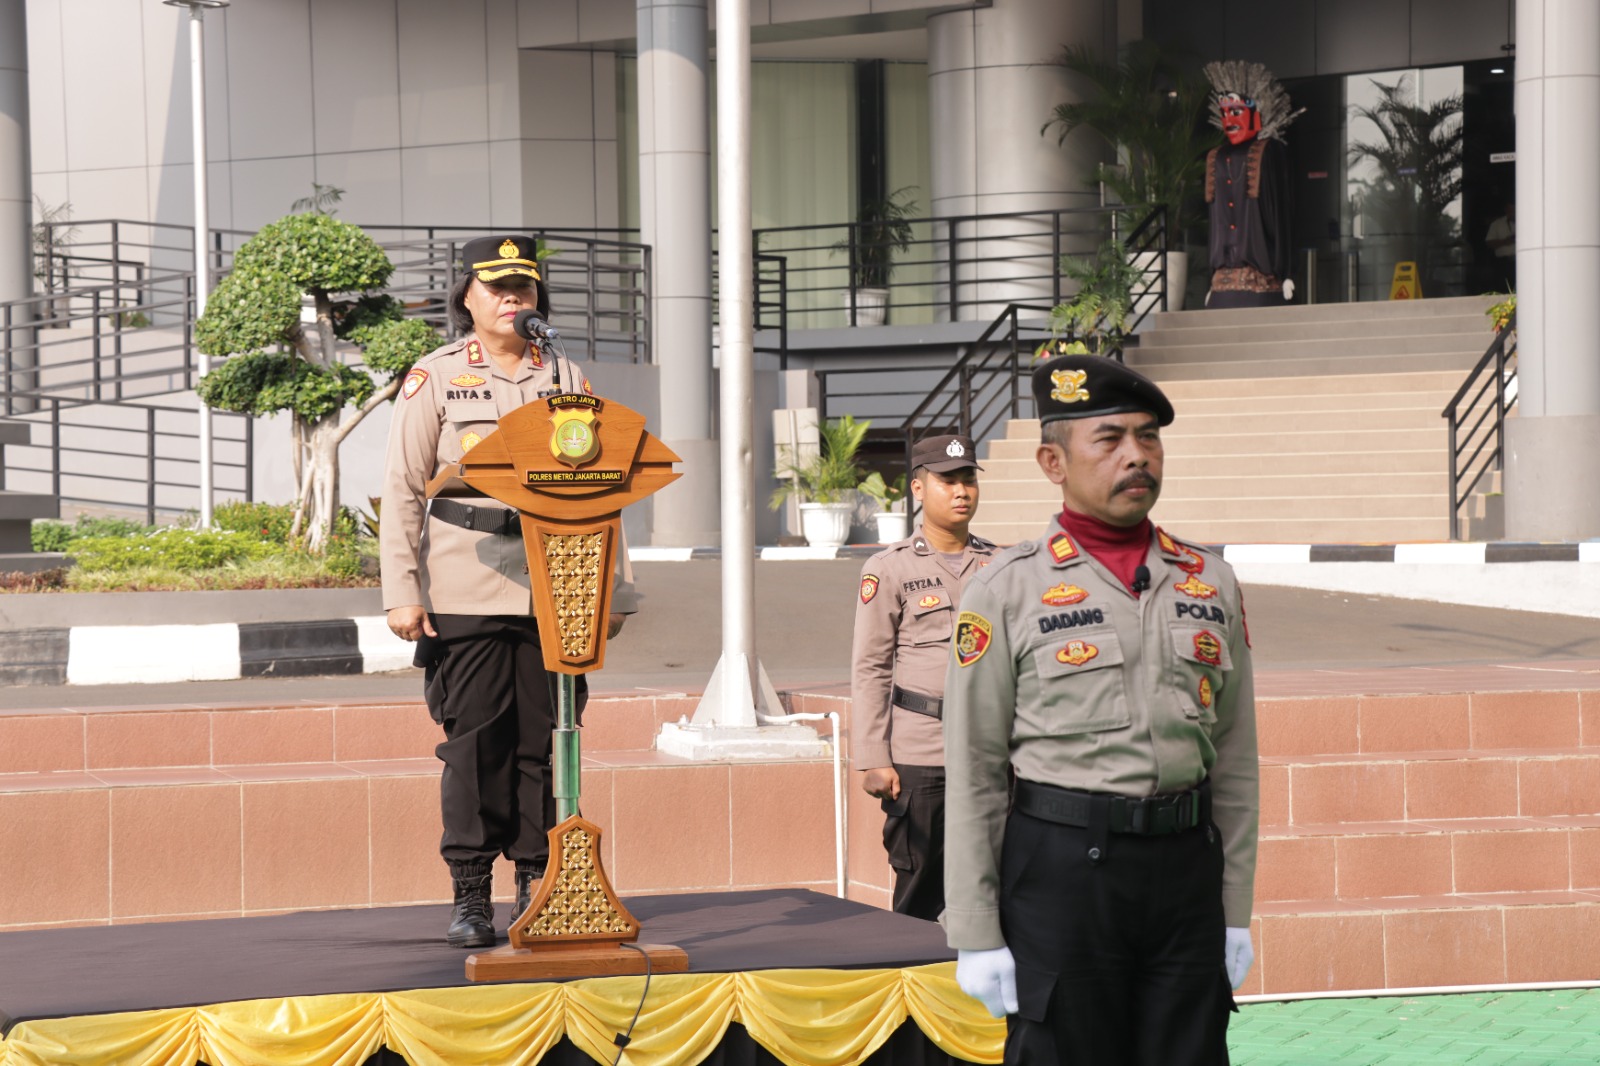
(574, 439)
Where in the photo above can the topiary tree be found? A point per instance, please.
(277, 363)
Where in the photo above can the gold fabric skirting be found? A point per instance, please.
(804, 1017)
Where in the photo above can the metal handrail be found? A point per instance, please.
(954, 265)
(1476, 419)
(90, 460)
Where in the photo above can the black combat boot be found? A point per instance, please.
(527, 878)
(472, 919)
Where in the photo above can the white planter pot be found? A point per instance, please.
(892, 526)
(826, 525)
(872, 307)
(1177, 282)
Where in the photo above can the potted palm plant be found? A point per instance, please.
(1096, 316)
(1151, 110)
(825, 483)
(882, 228)
(893, 525)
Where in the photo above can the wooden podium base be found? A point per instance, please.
(573, 960)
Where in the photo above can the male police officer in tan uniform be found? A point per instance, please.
(455, 578)
(908, 598)
(1106, 906)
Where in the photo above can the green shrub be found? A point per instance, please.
(267, 521)
(50, 536)
(173, 549)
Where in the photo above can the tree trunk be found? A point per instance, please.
(319, 480)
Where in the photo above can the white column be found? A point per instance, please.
(16, 193)
(675, 216)
(1553, 443)
(992, 81)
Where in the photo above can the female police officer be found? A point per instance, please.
(455, 578)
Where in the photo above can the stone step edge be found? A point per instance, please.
(1424, 827)
(1555, 897)
(348, 769)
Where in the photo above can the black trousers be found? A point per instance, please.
(487, 686)
(1119, 962)
(913, 835)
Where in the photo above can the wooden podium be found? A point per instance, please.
(569, 463)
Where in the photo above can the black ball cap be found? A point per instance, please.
(1079, 386)
(944, 453)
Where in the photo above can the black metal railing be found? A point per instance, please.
(128, 457)
(954, 268)
(1476, 417)
(113, 276)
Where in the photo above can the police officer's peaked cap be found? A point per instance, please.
(944, 453)
(506, 256)
(1078, 386)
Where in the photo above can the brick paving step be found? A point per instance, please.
(1195, 331)
(1516, 938)
(1362, 366)
(1467, 345)
(1470, 858)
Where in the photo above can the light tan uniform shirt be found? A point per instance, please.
(1059, 671)
(450, 400)
(905, 613)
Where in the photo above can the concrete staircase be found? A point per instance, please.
(1300, 424)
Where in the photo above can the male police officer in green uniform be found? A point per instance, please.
(1105, 906)
(906, 612)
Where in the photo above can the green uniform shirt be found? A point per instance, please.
(1060, 672)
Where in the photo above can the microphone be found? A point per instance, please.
(1141, 579)
(531, 327)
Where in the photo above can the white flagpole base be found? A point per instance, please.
(727, 724)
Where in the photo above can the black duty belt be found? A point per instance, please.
(501, 520)
(1150, 816)
(932, 706)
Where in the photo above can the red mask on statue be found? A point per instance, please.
(1240, 119)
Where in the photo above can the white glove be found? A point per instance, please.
(990, 977)
(1237, 955)
(1288, 289)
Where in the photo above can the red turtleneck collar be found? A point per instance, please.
(1120, 549)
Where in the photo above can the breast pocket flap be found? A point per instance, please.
(1078, 651)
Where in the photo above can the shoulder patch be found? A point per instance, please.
(475, 353)
(869, 587)
(973, 633)
(1062, 548)
(415, 379)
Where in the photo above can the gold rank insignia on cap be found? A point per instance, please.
(1077, 652)
(1195, 588)
(972, 637)
(492, 260)
(1067, 386)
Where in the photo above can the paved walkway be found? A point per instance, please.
(1483, 1029)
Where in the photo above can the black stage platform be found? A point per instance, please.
(65, 973)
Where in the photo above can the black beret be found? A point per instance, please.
(1078, 386)
(944, 453)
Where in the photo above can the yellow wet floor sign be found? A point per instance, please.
(1406, 285)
